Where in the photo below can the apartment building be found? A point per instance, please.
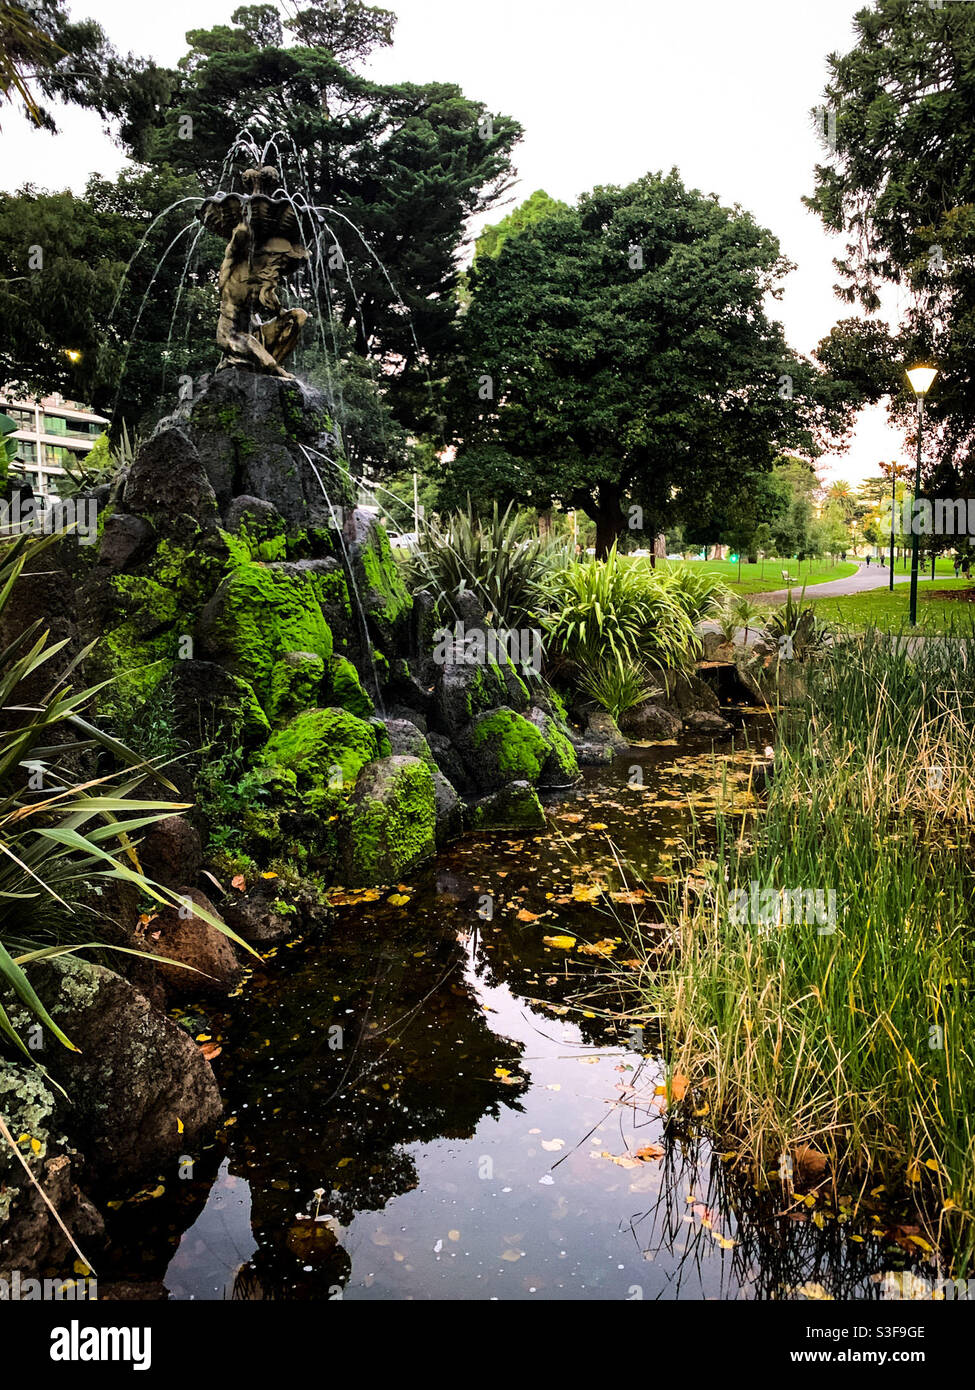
(51, 432)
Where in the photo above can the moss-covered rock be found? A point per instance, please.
(258, 614)
(502, 747)
(326, 749)
(385, 599)
(391, 822)
(561, 767)
(347, 688)
(514, 807)
(295, 682)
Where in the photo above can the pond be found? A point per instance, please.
(441, 1096)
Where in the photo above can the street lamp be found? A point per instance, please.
(921, 379)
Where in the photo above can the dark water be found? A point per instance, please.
(432, 1101)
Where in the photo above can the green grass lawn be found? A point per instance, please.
(889, 611)
(765, 577)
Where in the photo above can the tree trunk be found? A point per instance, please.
(608, 518)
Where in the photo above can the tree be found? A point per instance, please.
(900, 184)
(74, 318)
(45, 53)
(618, 355)
(386, 176)
(532, 210)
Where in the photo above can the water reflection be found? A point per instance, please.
(421, 1106)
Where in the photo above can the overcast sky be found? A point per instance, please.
(605, 89)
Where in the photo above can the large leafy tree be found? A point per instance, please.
(394, 170)
(618, 354)
(899, 183)
(45, 54)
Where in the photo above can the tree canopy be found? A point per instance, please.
(618, 354)
(899, 183)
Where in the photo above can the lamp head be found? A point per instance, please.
(921, 379)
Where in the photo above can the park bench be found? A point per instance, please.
(789, 579)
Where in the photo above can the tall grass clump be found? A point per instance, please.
(852, 1037)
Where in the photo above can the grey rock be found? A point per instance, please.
(650, 722)
(135, 1077)
(704, 722)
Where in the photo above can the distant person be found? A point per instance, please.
(957, 564)
(868, 562)
(966, 568)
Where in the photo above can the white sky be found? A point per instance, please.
(606, 91)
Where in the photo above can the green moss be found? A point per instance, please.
(347, 689)
(259, 615)
(384, 595)
(325, 748)
(517, 807)
(395, 829)
(563, 765)
(516, 747)
(295, 683)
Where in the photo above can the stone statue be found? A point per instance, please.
(263, 248)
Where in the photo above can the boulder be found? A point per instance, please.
(123, 540)
(704, 722)
(30, 1238)
(589, 753)
(514, 807)
(255, 919)
(209, 701)
(686, 692)
(391, 822)
(170, 852)
(450, 763)
(141, 1092)
(181, 936)
(326, 749)
(295, 682)
(168, 481)
(347, 689)
(602, 728)
(384, 597)
(648, 723)
(258, 614)
(502, 746)
(406, 741)
(561, 767)
(463, 692)
(266, 437)
(450, 809)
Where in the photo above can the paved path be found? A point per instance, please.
(876, 577)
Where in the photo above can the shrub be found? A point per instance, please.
(612, 609)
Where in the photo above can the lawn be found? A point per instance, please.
(889, 611)
(767, 576)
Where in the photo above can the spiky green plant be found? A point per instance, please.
(497, 560)
(617, 685)
(60, 835)
(699, 591)
(613, 609)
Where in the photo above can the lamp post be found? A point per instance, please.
(921, 379)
